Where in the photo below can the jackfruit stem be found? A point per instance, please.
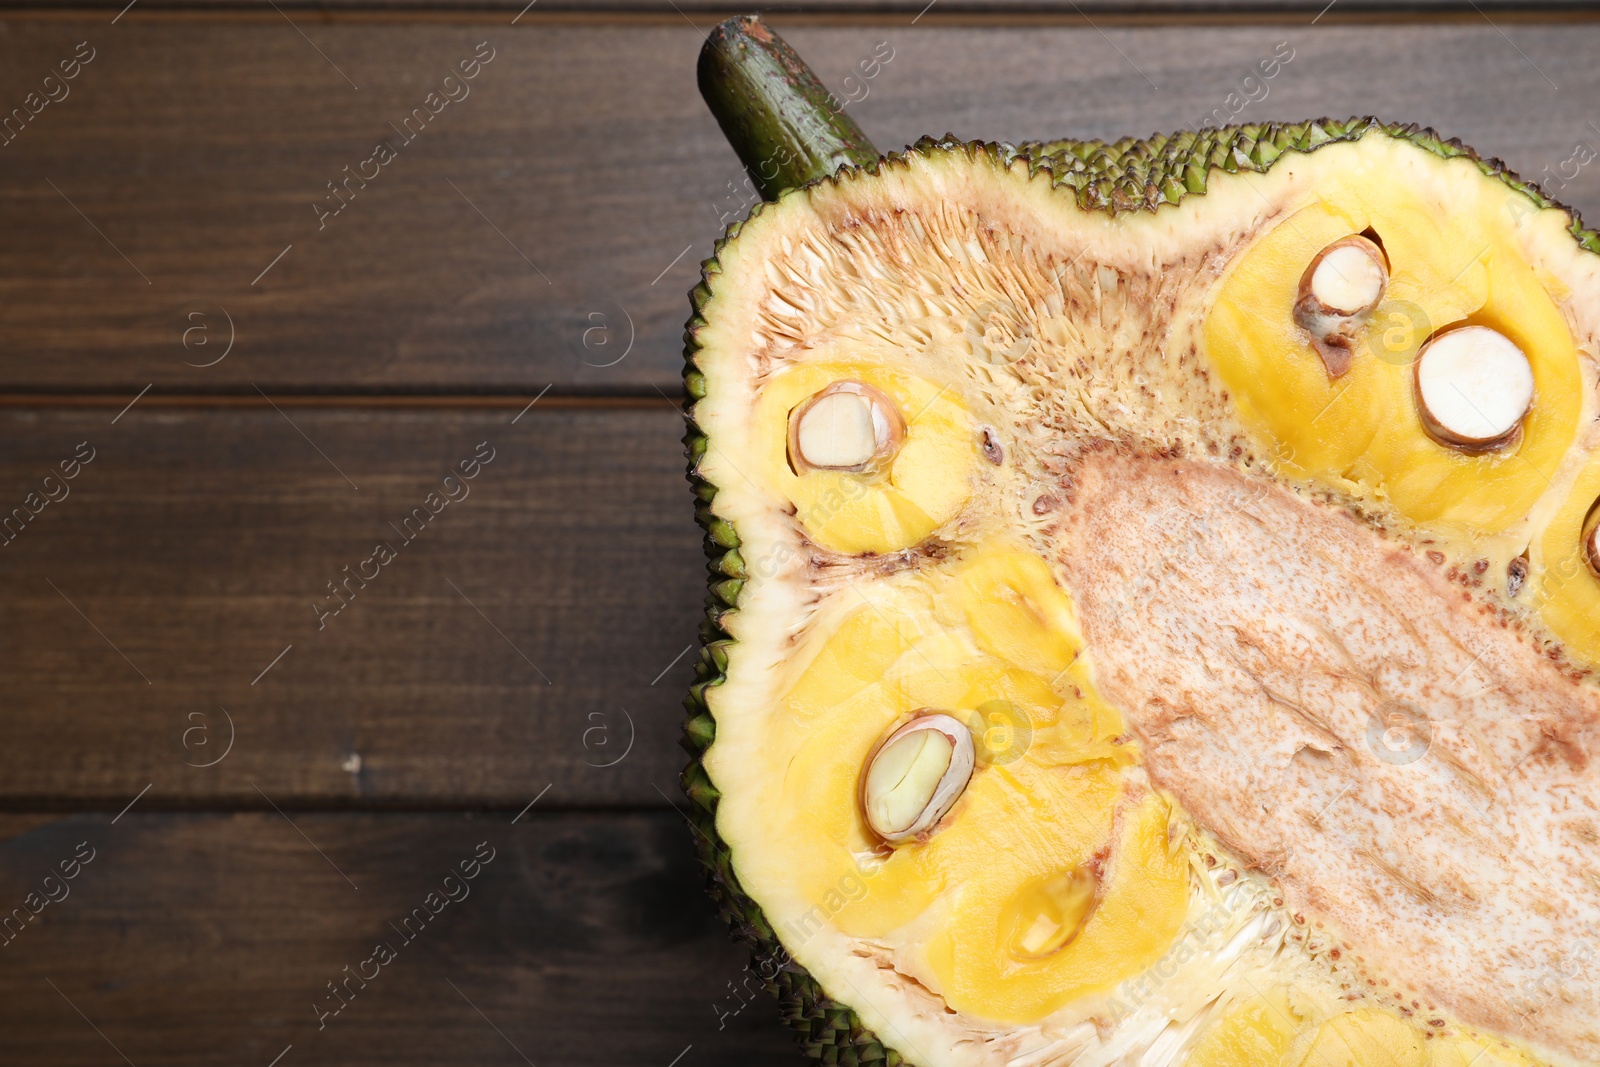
(786, 127)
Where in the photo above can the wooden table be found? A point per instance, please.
(251, 790)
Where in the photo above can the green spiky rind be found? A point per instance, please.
(1125, 175)
(1142, 175)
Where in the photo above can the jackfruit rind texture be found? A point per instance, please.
(1121, 176)
(1141, 175)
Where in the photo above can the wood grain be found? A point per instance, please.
(162, 646)
(206, 939)
(1166, 10)
(195, 546)
(545, 228)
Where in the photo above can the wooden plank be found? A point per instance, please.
(569, 196)
(1171, 10)
(536, 632)
(191, 940)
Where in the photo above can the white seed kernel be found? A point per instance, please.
(1473, 387)
(848, 426)
(1348, 279)
(837, 431)
(916, 775)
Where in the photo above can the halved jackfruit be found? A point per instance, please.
(1255, 697)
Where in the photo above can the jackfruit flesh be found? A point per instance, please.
(1278, 699)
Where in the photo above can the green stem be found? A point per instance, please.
(786, 127)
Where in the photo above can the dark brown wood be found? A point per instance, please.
(1167, 9)
(192, 940)
(524, 656)
(198, 544)
(199, 145)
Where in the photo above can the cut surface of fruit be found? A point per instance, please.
(1155, 607)
(924, 436)
(1257, 1033)
(1367, 1038)
(1259, 720)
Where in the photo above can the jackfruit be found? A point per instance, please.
(1154, 597)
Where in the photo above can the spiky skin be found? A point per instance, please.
(1121, 176)
(1135, 175)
